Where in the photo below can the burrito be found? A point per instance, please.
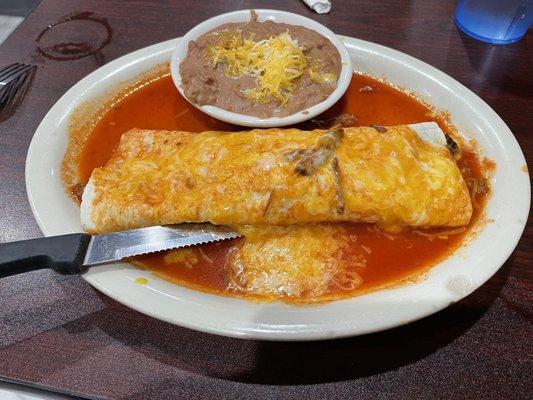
(396, 176)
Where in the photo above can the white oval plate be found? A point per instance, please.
(345, 75)
(446, 283)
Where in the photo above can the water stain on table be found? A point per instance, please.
(75, 36)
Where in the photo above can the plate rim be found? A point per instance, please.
(262, 332)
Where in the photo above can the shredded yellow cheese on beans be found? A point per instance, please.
(276, 62)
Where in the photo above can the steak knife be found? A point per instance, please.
(74, 253)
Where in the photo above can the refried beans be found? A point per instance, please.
(263, 69)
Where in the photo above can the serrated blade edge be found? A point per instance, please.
(115, 246)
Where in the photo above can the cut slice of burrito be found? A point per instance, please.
(393, 176)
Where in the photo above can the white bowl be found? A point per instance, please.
(263, 15)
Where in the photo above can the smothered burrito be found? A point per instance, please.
(397, 176)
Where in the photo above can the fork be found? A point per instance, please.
(12, 80)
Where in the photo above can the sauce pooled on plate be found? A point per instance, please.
(355, 258)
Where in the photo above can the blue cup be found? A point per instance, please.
(494, 21)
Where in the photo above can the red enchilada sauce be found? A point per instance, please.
(391, 258)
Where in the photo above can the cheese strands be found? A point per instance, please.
(394, 176)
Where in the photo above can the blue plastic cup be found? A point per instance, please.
(494, 21)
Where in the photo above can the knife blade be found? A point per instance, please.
(74, 253)
(118, 245)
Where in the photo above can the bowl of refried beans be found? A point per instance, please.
(261, 68)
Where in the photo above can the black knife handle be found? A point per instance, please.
(64, 254)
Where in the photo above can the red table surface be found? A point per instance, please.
(59, 332)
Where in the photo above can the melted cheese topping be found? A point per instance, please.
(295, 261)
(305, 261)
(276, 62)
(276, 177)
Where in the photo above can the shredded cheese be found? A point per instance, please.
(326, 78)
(276, 62)
(292, 261)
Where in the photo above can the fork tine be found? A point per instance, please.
(4, 98)
(11, 72)
(21, 81)
(10, 91)
(6, 70)
(18, 73)
(7, 97)
(17, 85)
(4, 94)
